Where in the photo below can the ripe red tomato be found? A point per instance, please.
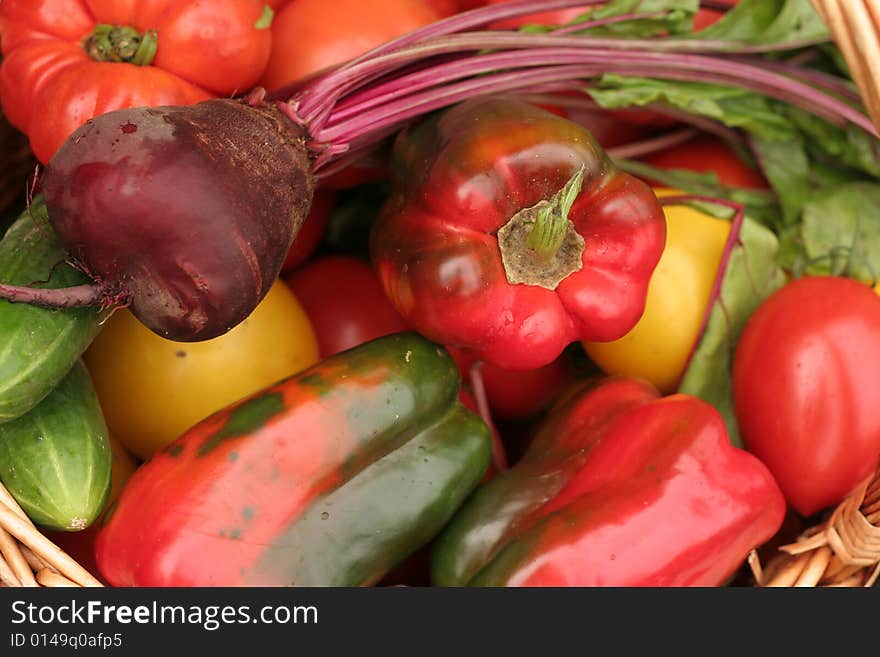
(607, 129)
(444, 8)
(311, 232)
(61, 69)
(356, 174)
(344, 301)
(806, 388)
(557, 17)
(708, 153)
(706, 17)
(517, 395)
(311, 35)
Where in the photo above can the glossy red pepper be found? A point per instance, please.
(620, 487)
(510, 233)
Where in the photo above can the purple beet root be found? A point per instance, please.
(186, 211)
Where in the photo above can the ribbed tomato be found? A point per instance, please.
(66, 61)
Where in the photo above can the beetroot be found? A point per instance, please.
(189, 222)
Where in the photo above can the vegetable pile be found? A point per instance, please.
(501, 293)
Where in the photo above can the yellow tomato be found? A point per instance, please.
(658, 346)
(152, 389)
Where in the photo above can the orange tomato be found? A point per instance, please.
(58, 72)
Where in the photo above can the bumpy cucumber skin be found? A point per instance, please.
(37, 346)
(56, 459)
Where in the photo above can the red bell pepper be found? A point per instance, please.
(620, 487)
(510, 233)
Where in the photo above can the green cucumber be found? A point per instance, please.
(56, 459)
(38, 346)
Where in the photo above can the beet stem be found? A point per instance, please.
(599, 22)
(499, 456)
(478, 77)
(645, 147)
(733, 240)
(326, 88)
(672, 66)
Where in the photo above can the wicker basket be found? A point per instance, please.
(843, 551)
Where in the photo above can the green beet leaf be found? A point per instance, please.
(659, 17)
(751, 275)
(843, 147)
(787, 167)
(732, 106)
(841, 232)
(766, 22)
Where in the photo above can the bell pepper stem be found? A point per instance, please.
(551, 220)
(540, 245)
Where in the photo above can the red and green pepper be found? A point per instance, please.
(620, 487)
(328, 478)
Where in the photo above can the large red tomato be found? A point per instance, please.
(806, 387)
(344, 301)
(607, 128)
(444, 8)
(706, 17)
(67, 61)
(708, 153)
(557, 17)
(519, 394)
(311, 35)
(311, 232)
